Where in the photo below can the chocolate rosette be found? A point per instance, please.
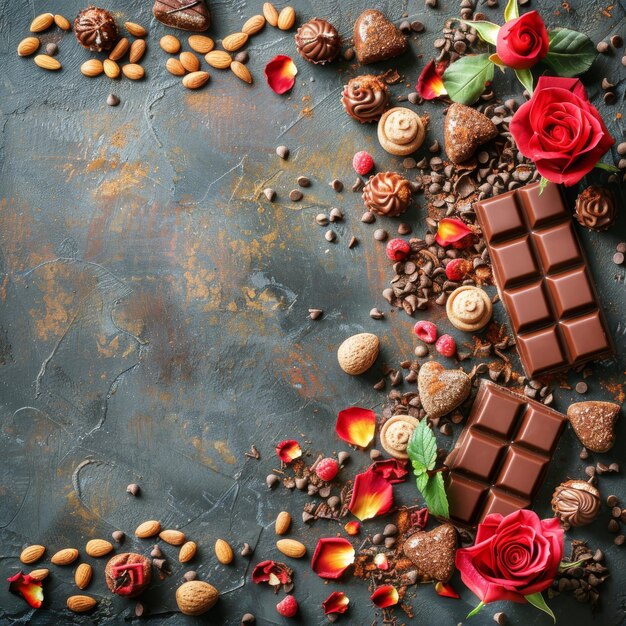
(96, 29)
(365, 98)
(387, 193)
(576, 503)
(318, 41)
(596, 208)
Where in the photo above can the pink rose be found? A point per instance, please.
(523, 41)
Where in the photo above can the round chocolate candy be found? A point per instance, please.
(96, 29)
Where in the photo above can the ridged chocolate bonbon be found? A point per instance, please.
(544, 281)
(501, 458)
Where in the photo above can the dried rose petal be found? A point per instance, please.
(381, 562)
(419, 519)
(446, 590)
(356, 426)
(337, 602)
(26, 586)
(384, 596)
(372, 495)
(288, 450)
(430, 83)
(392, 470)
(352, 528)
(272, 572)
(332, 556)
(450, 230)
(280, 73)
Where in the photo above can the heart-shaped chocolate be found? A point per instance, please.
(464, 130)
(441, 390)
(594, 423)
(184, 14)
(432, 552)
(376, 38)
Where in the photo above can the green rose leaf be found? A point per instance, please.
(421, 481)
(435, 497)
(536, 599)
(543, 183)
(606, 167)
(487, 31)
(526, 78)
(475, 610)
(570, 52)
(511, 11)
(422, 447)
(465, 79)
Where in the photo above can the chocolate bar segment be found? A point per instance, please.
(541, 272)
(501, 458)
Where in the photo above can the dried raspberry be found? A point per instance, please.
(288, 606)
(426, 331)
(362, 162)
(398, 249)
(458, 269)
(446, 346)
(327, 469)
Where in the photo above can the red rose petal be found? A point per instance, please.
(451, 230)
(332, 556)
(280, 73)
(419, 519)
(392, 470)
(384, 596)
(356, 426)
(337, 602)
(288, 450)
(26, 586)
(446, 590)
(430, 83)
(372, 495)
(271, 572)
(352, 528)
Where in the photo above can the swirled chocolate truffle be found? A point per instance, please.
(365, 98)
(576, 503)
(387, 193)
(318, 41)
(596, 208)
(96, 29)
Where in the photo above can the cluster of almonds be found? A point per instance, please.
(29, 45)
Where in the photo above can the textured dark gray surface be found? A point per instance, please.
(153, 308)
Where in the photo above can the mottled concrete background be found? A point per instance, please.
(153, 307)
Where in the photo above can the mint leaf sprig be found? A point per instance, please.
(422, 451)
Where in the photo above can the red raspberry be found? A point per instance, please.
(426, 331)
(288, 606)
(446, 346)
(327, 469)
(362, 162)
(458, 269)
(398, 249)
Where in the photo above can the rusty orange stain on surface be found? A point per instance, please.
(141, 426)
(224, 451)
(298, 369)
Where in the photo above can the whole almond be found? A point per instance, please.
(137, 50)
(223, 552)
(271, 14)
(28, 46)
(174, 66)
(187, 552)
(92, 67)
(98, 547)
(134, 72)
(286, 18)
(64, 557)
(283, 522)
(39, 574)
(136, 30)
(195, 80)
(111, 68)
(196, 597)
(201, 43)
(218, 59)
(358, 353)
(82, 575)
(81, 604)
(291, 548)
(62, 22)
(235, 41)
(189, 61)
(31, 554)
(46, 62)
(241, 72)
(173, 537)
(121, 48)
(151, 527)
(170, 44)
(41, 22)
(253, 25)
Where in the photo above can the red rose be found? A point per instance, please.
(523, 42)
(560, 130)
(513, 556)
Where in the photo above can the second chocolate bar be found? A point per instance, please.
(542, 276)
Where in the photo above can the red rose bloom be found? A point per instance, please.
(513, 556)
(560, 130)
(523, 41)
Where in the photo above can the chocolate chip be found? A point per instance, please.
(321, 219)
(417, 26)
(380, 385)
(357, 185)
(500, 618)
(315, 314)
(302, 483)
(606, 84)
(330, 235)
(618, 258)
(602, 47)
(390, 542)
(333, 502)
(375, 454)
(609, 97)
(391, 530)
(581, 387)
(282, 152)
(619, 540)
(421, 351)
(112, 100)
(248, 619)
(377, 539)
(368, 217)
(617, 41)
(342, 457)
(405, 27)
(616, 512)
(431, 3)
(414, 97)
(51, 49)
(376, 314)
(133, 489)
(404, 229)
(118, 536)
(612, 501)
(156, 553)
(303, 181)
(336, 184)
(246, 550)
(242, 57)
(336, 214)
(613, 526)
(348, 54)
(295, 195)
(353, 242)
(269, 193)
(621, 150)
(190, 575)
(140, 609)
(445, 429)
(271, 481)
(409, 163)
(381, 235)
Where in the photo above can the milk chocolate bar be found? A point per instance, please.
(544, 281)
(501, 458)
